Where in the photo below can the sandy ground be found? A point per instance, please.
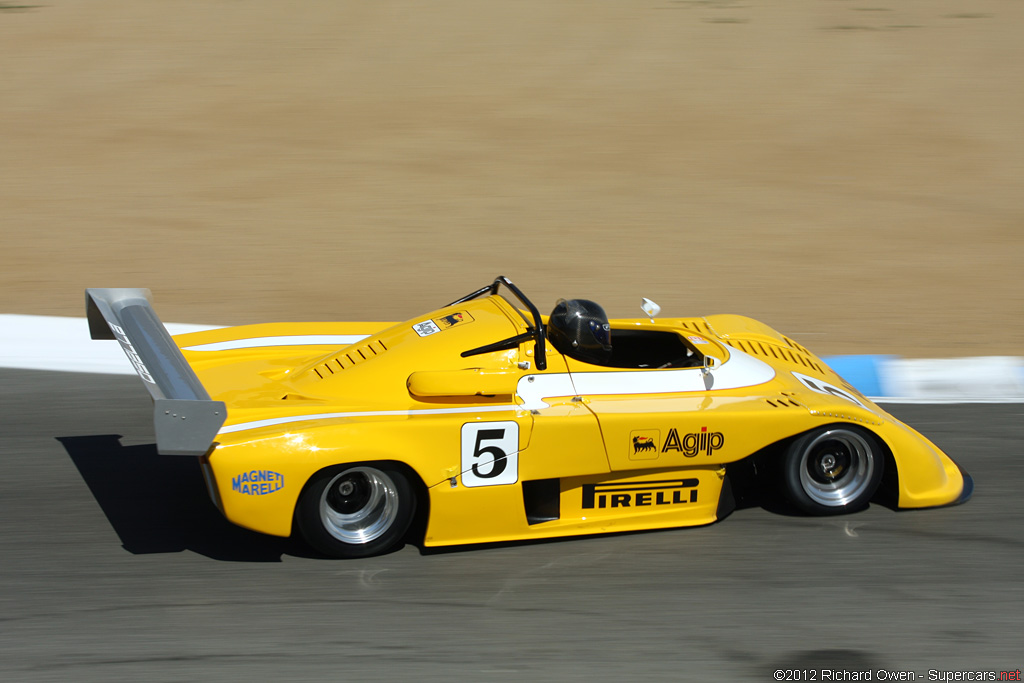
(848, 171)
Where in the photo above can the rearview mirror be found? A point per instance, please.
(650, 308)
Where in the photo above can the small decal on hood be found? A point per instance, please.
(426, 328)
(454, 319)
(429, 327)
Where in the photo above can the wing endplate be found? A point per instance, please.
(185, 418)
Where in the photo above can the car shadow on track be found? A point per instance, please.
(158, 503)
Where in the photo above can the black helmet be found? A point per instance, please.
(579, 328)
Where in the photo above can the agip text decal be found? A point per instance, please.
(693, 443)
(639, 494)
(257, 482)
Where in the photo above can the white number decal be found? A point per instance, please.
(490, 453)
(426, 328)
(826, 388)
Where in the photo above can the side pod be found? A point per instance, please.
(185, 419)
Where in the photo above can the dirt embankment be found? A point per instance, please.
(848, 172)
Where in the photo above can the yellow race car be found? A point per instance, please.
(494, 423)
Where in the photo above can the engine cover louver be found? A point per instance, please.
(756, 348)
(350, 357)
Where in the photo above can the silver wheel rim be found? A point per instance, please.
(359, 505)
(836, 467)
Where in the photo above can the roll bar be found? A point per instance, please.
(534, 332)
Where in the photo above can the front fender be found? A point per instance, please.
(927, 476)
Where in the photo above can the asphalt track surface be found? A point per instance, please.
(115, 567)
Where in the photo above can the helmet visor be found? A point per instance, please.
(602, 333)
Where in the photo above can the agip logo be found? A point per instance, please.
(257, 482)
(645, 444)
(642, 444)
(454, 319)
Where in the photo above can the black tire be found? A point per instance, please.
(356, 510)
(833, 470)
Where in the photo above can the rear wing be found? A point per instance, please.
(185, 419)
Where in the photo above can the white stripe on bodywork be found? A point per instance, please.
(740, 370)
(533, 389)
(285, 340)
(256, 424)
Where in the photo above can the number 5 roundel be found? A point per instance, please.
(490, 453)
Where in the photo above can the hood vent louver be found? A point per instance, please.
(349, 357)
(755, 348)
(783, 402)
(796, 346)
(701, 327)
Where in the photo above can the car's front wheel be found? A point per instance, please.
(832, 470)
(356, 510)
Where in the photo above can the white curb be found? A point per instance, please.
(33, 342)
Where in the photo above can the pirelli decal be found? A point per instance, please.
(640, 494)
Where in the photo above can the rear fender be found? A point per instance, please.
(278, 464)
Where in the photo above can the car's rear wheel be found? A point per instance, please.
(833, 470)
(356, 510)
